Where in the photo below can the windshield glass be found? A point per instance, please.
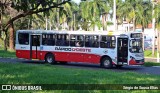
(136, 46)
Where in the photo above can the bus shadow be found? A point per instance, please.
(129, 68)
(87, 66)
(33, 62)
(80, 65)
(95, 66)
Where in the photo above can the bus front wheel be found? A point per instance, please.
(106, 62)
(50, 59)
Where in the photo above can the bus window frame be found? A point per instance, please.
(64, 40)
(47, 38)
(92, 39)
(23, 38)
(110, 41)
(77, 40)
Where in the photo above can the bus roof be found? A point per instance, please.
(72, 32)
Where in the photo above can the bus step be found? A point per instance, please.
(35, 59)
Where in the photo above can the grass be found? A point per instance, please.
(149, 64)
(148, 53)
(26, 73)
(7, 53)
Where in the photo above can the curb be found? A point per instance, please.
(155, 66)
(9, 57)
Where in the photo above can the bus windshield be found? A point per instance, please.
(136, 46)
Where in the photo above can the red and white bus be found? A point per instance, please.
(104, 48)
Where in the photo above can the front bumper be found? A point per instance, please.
(136, 62)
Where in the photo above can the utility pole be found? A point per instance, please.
(1, 17)
(114, 16)
(153, 28)
(74, 22)
(157, 45)
(57, 10)
(46, 23)
(50, 27)
(155, 32)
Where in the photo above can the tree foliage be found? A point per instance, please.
(12, 10)
(27, 7)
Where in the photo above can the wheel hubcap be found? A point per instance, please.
(49, 59)
(106, 62)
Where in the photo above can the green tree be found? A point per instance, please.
(64, 14)
(92, 11)
(23, 8)
(144, 13)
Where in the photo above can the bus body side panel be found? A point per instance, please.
(42, 55)
(23, 54)
(76, 57)
(61, 56)
(92, 58)
(72, 57)
(22, 51)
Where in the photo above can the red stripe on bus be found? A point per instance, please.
(61, 56)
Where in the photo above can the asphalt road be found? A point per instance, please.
(138, 69)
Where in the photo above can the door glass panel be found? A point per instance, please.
(122, 49)
(35, 40)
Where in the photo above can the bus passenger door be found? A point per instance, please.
(35, 47)
(122, 51)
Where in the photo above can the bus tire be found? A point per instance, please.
(50, 59)
(106, 62)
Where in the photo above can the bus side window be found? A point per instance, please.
(58, 40)
(48, 39)
(96, 41)
(102, 43)
(87, 41)
(77, 44)
(66, 40)
(62, 40)
(23, 38)
(91, 41)
(77, 40)
(107, 42)
(80, 40)
(72, 40)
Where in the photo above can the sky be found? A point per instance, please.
(77, 1)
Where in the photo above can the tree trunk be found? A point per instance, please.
(103, 22)
(106, 21)
(5, 44)
(128, 27)
(143, 37)
(153, 45)
(158, 37)
(134, 24)
(5, 41)
(11, 37)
